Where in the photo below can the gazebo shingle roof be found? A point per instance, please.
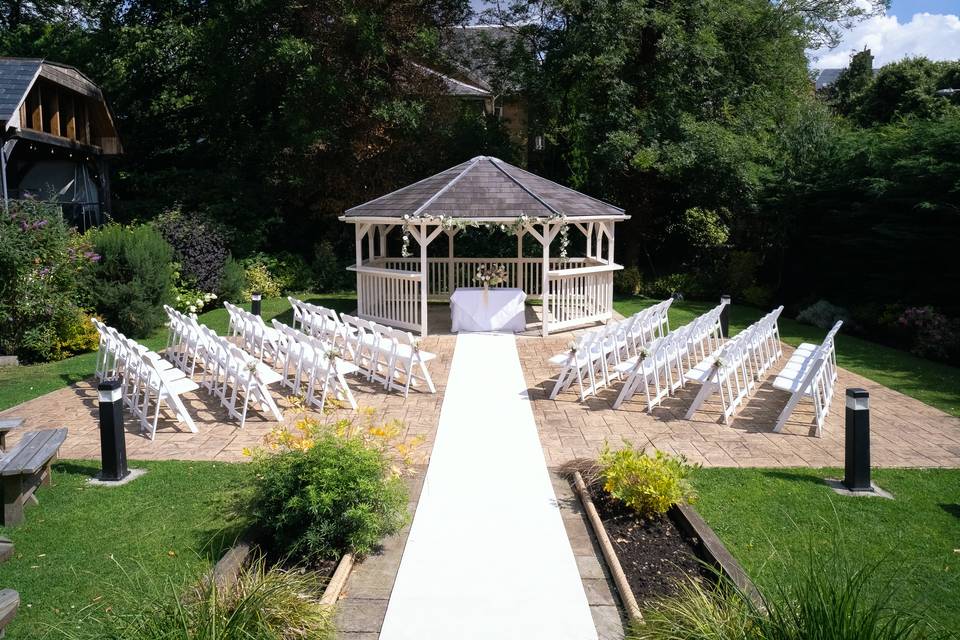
(484, 187)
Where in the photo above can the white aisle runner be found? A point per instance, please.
(487, 556)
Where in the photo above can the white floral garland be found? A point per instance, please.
(514, 228)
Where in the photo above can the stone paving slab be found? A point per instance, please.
(219, 437)
(904, 432)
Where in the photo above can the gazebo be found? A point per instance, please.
(394, 290)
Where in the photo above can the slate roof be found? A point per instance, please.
(484, 187)
(16, 76)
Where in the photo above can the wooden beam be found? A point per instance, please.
(54, 115)
(36, 109)
(68, 118)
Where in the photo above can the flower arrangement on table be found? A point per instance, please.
(491, 275)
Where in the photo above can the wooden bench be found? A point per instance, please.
(6, 426)
(9, 603)
(26, 467)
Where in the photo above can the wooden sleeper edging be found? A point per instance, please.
(609, 554)
(709, 547)
(227, 569)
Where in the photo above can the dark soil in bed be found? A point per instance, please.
(654, 555)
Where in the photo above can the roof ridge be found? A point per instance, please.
(473, 162)
(404, 188)
(564, 187)
(497, 162)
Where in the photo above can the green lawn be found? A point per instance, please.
(19, 384)
(931, 382)
(75, 546)
(769, 518)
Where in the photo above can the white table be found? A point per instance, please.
(498, 309)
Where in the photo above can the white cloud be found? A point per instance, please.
(935, 36)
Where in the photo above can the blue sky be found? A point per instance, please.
(904, 9)
(928, 28)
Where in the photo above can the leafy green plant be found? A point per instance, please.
(42, 267)
(828, 599)
(676, 285)
(823, 314)
(328, 489)
(233, 282)
(264, 604)
(258, 279)
(133, 279)
(627, 282)
(648, 485)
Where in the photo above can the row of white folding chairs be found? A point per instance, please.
(313, 367)
(595, 355)
(147, 379)
(229, 373)
(388, 356)
(736, 369)
(665, 362)
(319, 322)
(810, 372)
(256, 338)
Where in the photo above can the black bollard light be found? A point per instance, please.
(725, 316)
(255, 303)
(857, 456)
(113, 445)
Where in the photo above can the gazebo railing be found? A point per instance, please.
(580, 295)
(522, 273)
(389, 296)
(580, 289)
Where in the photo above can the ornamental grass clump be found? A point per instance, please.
(648, 485)
(266, 603)
(326, 489)
(829, 597)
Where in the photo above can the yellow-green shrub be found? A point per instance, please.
(259, 280)
(648, 485)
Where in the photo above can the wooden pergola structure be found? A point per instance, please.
(485, 191)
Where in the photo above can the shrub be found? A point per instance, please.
(627, 282)
(932, 334)
(741, 271)
(133, 279)
(283, 272)
(257, 279)
(758, 296)
(199, 245)
(676, 285)
(42, 267)
(329, 272)
(264, 604)
(233, 282)
(823, 314)
(329, 489)
(826, 598)
(649, 486)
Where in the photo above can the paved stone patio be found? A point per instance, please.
(219, 438)
(904, 431)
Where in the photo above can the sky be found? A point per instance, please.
(928, 28)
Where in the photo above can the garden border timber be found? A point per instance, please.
(227, 568)
(709, 548)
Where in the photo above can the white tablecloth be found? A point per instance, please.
(499, 310)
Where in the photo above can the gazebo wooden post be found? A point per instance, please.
(518, 275)
(450, 266)
(545, 284)
(424, 278)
